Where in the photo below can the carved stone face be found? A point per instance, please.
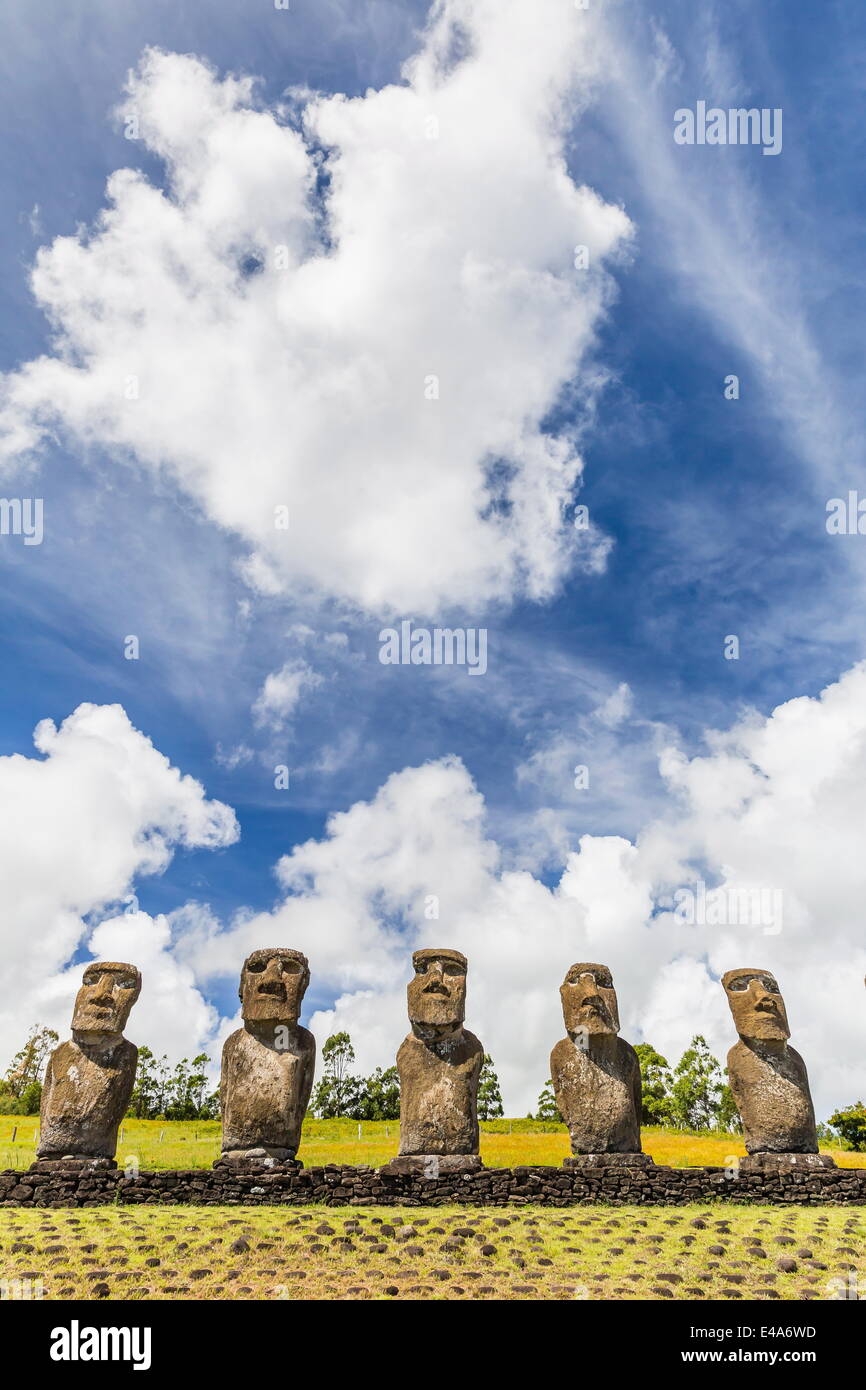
(273, 985)
(589, 1000)
(757, 1004)
(437, 994)
(108, 992)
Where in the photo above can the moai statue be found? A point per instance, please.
(439, 1064)
(768, 1079)
(89, 1080)
(596, 1075)
(267, 1066)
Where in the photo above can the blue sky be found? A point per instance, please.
(712, 511)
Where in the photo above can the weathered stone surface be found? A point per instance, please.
(439, 1062)
(596, 1075)
(764, 1162)
(255, 1161)
(433, 1165)
(71, 1164)
(608, 1160)
(268, 1065)
(767, 1077)
(89, 1079)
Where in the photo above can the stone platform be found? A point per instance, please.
(337, 1185)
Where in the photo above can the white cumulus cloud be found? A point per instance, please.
(99, 808)
(362, 310)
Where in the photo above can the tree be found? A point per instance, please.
(697, 1088)
(851, 1124)
(149, 1095)
(21, 1087)
(337, 1094)
(379, 1096)
(656, 1082)
(172, 1095)
(547, 1107)
(489, 1094)
(728, 1116)
(28, 1065)
(186, 1090)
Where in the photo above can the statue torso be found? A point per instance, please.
(438, 1094)
(596, 1095)
(264, 1091)
(771, 1090)
(85, 1096)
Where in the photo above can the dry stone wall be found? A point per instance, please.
(343, 1185)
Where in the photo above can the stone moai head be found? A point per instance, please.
(108, 991)
(273, 984)
(437, 994)
(589, 1000)
(757, 1004)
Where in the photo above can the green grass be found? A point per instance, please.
(609, 1253)
(504, 1144)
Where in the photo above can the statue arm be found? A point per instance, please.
(131, 1067)
(47, 1090)
(637, 1087)
(224, 1075)
(309, 1074)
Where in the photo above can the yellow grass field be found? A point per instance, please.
(448, 1253)
(176, 1144)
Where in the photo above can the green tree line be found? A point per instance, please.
(694, 1095)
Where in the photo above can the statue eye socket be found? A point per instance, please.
(739, 985)
(453, 969)
(126, 982)
(290, 967)
(91, 979)
(257, 968)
